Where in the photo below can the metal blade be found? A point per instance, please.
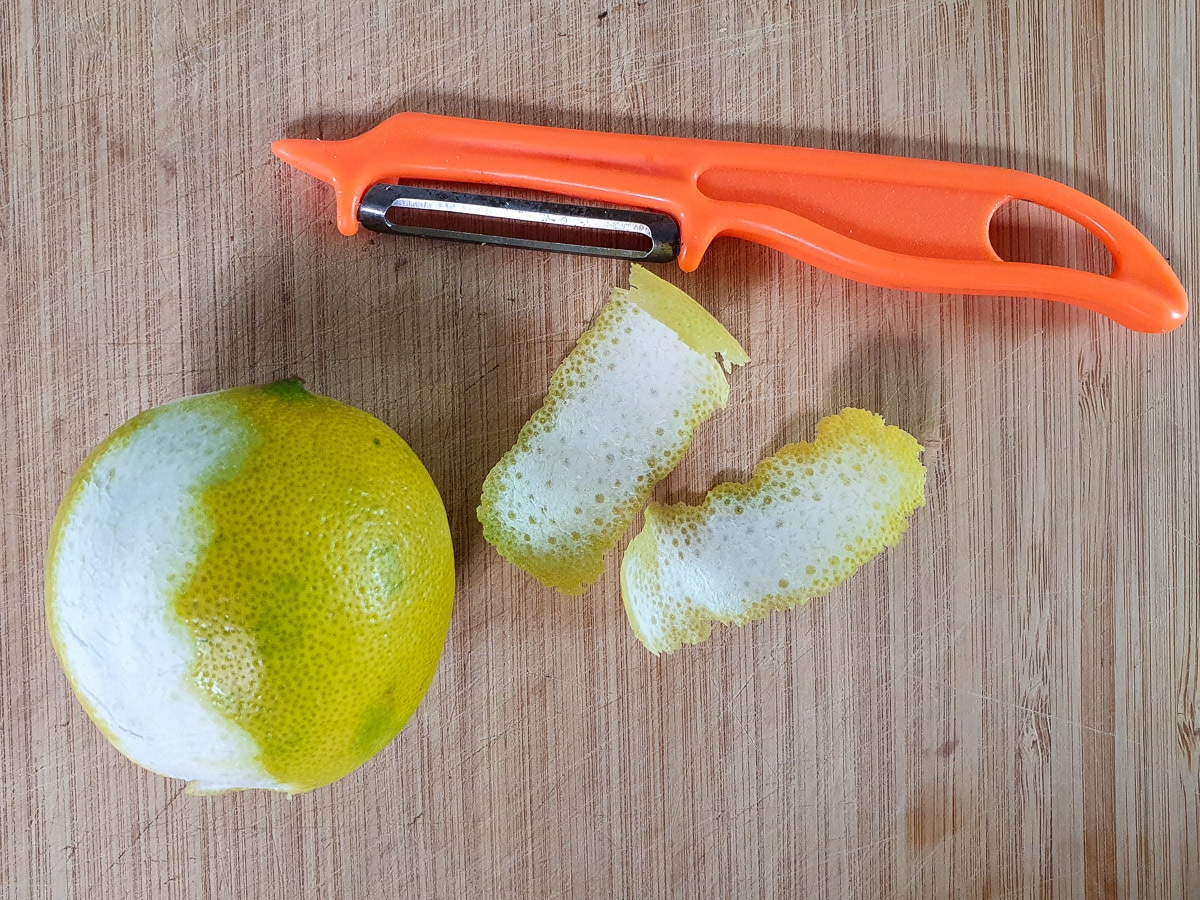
(632, 234)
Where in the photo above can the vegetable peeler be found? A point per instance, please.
(910, 224)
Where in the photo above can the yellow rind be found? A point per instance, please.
(575, 555)
(695, 325)
(639, 556)
(321, 606)
(792, 470)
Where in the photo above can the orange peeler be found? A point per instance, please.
(911, 224)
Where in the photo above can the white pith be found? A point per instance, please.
(591, 455)
(130, 540)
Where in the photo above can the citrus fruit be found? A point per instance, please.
(811, 515)
(619, 415)
(251, 588)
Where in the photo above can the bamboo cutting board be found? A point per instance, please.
(1005, 705)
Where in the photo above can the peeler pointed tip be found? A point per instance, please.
(285, 148)
(315, 158)
(280, 149)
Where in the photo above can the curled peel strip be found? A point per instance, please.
(619, 415)
(808, 519)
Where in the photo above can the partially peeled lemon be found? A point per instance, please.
(251, 588)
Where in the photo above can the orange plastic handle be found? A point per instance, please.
(912, 224)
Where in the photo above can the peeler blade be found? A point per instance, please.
(618, 233)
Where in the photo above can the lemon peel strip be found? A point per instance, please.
(619, 415)
(810, 516)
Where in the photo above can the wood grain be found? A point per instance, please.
(1006, 705)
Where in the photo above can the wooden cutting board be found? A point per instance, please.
(1004, 705)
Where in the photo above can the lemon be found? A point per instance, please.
(811, 515)
(251, 588)
(619, 415)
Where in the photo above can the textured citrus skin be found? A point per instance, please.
(619, 415)
(810, 517)
(321, 606)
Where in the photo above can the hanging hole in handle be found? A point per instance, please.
(1026, 232)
